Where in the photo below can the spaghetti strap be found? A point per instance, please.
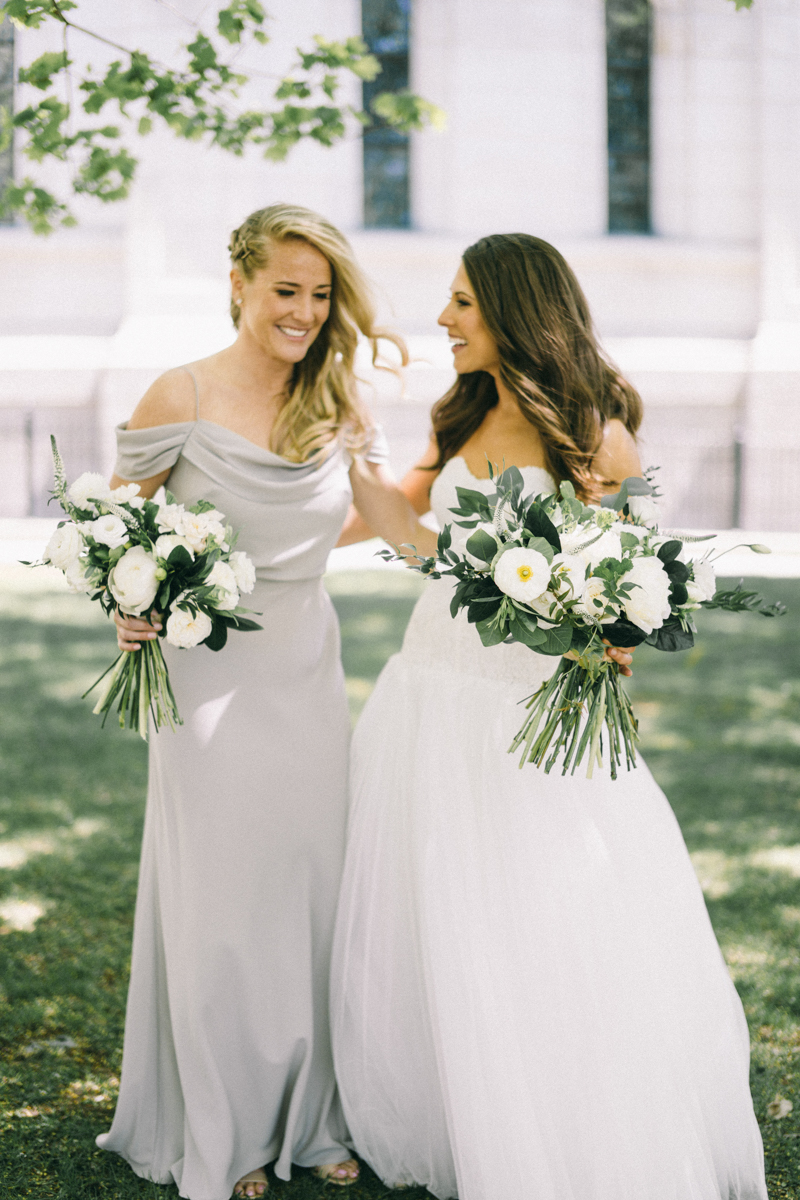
(196, 394)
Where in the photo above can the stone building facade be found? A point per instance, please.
(656, 144)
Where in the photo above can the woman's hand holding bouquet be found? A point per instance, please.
(174, 568)
(571, 580)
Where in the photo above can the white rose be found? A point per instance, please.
(648, 603)
(64, 547)
(571, 571)
(594, 600)
(199, 527)
(133, 582)
(223, 580)
(638, 532)
(185, 630)
(125, 493)
(168, 517)
(244, 571)
(167, 543)
(644, 510)
(607, 545)
(110, 531)
(547, 606)
(705, 579)
(76, 577)
(87, 487)
(522, 574)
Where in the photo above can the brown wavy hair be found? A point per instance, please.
(535, 310)
(323, 397)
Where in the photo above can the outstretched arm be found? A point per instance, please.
(385, 510)
(416, 487)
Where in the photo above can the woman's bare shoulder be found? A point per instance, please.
(168, 401)
(617, 457)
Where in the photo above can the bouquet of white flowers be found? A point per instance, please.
(568, 579)
(144, 558)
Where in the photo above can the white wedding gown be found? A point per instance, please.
(528, 998)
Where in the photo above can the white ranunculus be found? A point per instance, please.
(87, 487)
(167, 543)
(705, 578)
(110, 531)
(168, 517)
(644, 510)
(244, 571)
(648, 603)
(75, 575)
(185, 630)
(223, 580)
(133, 582)
(571, 570)
(594, 600)
(64, 546)
(125, 493)
(522, 574)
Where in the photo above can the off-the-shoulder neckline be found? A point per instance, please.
(286, 462)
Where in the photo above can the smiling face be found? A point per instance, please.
(286, 303)
(474, 348)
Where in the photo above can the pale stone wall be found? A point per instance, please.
(704, 316)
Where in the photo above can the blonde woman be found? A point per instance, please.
(528, 998)
(227, 1060)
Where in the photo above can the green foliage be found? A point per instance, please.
(197, 100)
(740, 4)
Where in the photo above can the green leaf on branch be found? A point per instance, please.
(482, 545)
(407, 112)
(492, 632)
(29, 14)
(557, 640)
(41, 71)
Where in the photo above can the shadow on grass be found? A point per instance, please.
(720, 730)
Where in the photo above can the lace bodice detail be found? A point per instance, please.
(433, 638)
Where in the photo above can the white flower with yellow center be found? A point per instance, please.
(522, 574)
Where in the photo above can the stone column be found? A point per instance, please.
(771, 483)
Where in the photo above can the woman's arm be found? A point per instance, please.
(617, 458)
(385, 510)
(416, 486)
(169, 401)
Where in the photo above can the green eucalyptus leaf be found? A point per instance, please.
(482, 545)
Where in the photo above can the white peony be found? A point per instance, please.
(522, 574)
(125, 493)
(185, 630)
(75, 575)
(168, 517)
(594, 600)
(87, 487)
(110, 531)
(648, 603)
(64, 547)
(197, 528)
(223, 580)
(244, 571)
(644, 510)
(704, 581)
(133, 582)
(167, 543)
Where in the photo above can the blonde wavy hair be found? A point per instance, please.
(323, 400)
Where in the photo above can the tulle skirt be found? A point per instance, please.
(528, 998)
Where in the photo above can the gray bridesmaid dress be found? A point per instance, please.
(227, 1059)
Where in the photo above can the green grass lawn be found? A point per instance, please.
(720, 728)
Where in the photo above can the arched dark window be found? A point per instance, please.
(6, 102)
(628, 61)
(385, 28)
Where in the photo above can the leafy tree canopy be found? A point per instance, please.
(197, 99)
